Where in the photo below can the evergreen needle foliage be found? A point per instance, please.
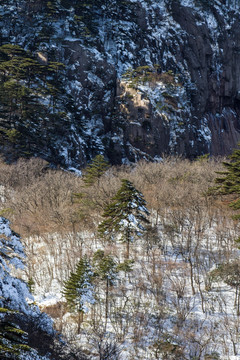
(95, 170)
(105, 267)
(125, 215)
(12, 339)
(105, 270)
(229, 182)
(78, 289)
(35, 109)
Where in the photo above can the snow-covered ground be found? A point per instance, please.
(168, 297)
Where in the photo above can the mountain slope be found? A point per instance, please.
(140, 79)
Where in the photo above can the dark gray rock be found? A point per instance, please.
(200, 43)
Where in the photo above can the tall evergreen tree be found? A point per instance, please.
(125, 215)
(91, 177)
(78, 289)
(229, 182)
(106, 270)
(95, 170)
(229, 273)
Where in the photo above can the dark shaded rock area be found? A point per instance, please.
(199, 42)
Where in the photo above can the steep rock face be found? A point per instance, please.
(200, 42)
(212, 54)
(147, 78)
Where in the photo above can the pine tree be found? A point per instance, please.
(125, 215)
(229, 182)
(95, 170)
(78, 289)
(91, 177)
(230, 274)
(105, 269)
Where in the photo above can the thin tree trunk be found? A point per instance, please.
(106, 304)
(128, 242)
(80, 320)
(238, 302)
(128, 248)
(191, 276)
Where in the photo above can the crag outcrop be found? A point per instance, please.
(147, 77)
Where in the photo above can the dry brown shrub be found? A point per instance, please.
(38, 199)
(175, 182)
(22, 173)
(42, 203)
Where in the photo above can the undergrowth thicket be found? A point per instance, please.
(168, 288)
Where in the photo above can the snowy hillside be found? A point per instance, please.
(192, 111)
(173, 293)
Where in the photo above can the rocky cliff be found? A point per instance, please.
(145, 78)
